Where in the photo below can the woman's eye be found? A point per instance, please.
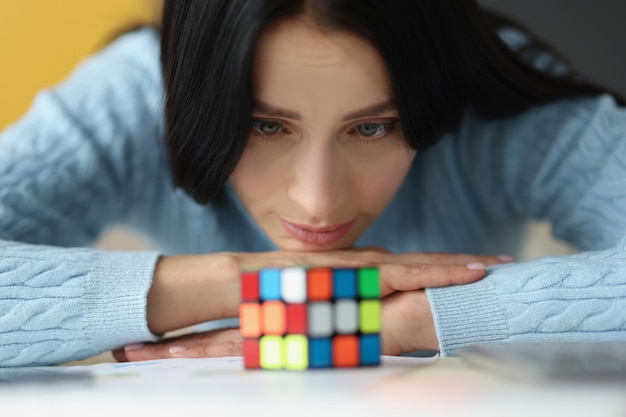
(266, 127)
(372, 130)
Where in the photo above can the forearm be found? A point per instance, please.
(191, 289)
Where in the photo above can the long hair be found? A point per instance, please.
(444, 58)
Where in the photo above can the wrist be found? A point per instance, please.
(191, 289)
(408, 324)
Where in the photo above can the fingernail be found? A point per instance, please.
(178, 349)
(506, 258)
(134, 346)
(476, 266)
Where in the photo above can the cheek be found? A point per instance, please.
(381, 180)
(255, 177)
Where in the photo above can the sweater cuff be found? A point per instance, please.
(466, 314)
(116, 298)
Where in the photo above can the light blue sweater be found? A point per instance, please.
(89, 155)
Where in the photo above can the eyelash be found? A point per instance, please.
(388, 128)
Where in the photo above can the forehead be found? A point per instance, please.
(299, 44)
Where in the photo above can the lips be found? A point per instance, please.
(317, 235)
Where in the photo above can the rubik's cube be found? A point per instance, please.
(300, 318)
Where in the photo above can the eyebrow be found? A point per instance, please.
(369, 111)
(270, 110)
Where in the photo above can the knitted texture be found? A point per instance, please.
(60, 304)
(577, 297)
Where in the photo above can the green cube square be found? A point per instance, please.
(369, 283)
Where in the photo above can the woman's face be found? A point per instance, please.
(326, 152)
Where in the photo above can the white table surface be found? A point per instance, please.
(221, 386)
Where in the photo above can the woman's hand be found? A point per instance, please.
(398, 272)
(407, 326)
(192, 289)
(221, 342)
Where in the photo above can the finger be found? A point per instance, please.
(142, 352)
(408, 277)
(222, 342)
(375, 256)
(228, 348)
(449, 258)
(360, 257)
(160, 350)
(119, 355)
(375, 249)
(282, 259)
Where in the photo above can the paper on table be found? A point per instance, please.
(215, 382)
(185, 368)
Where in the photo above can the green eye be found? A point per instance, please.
(368, 129)
(267, 128)
(371, 130)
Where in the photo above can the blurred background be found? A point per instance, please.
(591, 34)
(42, 40)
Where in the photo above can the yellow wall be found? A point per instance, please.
(42, 40)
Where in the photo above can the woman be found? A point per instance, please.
(319, 132)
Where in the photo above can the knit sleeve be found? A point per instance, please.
(73, 165)
(58, 305)
(565, 163)
(570, 297)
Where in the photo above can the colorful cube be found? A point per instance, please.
(300, 318)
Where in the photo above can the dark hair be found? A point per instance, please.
(444, 58)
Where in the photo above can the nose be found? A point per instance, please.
(317, 181)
